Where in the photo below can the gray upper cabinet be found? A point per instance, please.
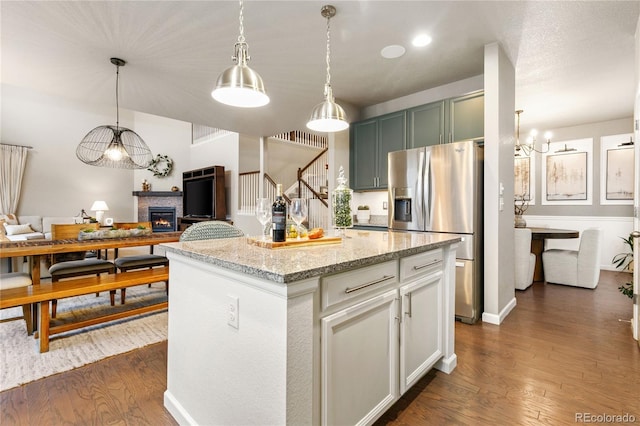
(466, 117)
(363, 154)
(449, 120)
(425, 125)
(371, 141)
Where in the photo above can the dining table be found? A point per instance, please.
(35, 249)
(538, 237)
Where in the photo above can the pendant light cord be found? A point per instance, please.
(328, 83)
(117, 105)
(241, 19)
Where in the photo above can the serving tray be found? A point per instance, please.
(293, 242)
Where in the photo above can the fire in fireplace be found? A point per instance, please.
(163, 219)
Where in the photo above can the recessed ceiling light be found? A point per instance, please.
(421, 40)
(393, 51)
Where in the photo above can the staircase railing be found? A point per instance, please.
(310, 179)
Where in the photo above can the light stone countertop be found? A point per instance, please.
(286, 265)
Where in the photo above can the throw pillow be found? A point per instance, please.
(18, 229)
(11, 219)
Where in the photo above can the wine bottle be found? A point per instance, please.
(279, 217)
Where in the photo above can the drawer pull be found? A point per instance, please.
(435, 262)
(360, 287)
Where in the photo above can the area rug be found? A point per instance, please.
(20, 359)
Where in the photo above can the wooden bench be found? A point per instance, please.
(43, 294)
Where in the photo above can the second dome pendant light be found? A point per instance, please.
(328, 116)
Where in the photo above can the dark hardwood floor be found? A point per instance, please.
(562, 352)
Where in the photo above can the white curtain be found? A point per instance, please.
(13, 160)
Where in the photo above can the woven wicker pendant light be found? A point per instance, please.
(114, 146)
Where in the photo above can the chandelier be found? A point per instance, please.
(530, 145)
(114, 146)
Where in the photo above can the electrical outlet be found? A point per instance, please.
(233, 313)
(384, 205)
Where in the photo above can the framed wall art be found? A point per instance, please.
(523, 180)
(617, 158)
(567, 173)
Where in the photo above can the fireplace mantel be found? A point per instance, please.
(157, 193)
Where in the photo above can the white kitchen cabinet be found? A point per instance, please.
(360, 361)
(421, 328)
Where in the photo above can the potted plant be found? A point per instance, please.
(624, 261)
(363, 214)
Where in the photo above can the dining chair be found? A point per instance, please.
(136, 262)
(578, 268)
(69, 265)
(524, 260)
(209, 230)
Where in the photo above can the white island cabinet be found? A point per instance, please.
(318, 335)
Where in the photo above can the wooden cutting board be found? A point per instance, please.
(294, 242)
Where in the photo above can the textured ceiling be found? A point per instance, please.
(574, 60)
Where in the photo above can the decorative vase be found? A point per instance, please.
(341, 203)
(520, 222)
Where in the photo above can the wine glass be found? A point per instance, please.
(263, 213)
(298, 212)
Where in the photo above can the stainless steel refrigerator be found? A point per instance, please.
(440, 189)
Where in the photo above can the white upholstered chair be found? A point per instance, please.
(525, 261)
(579, 268)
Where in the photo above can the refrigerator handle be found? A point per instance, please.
(426, 193)
(420, 188)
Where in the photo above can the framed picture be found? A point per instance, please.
(620, 174)
(617, 158)
(567, 173)
(522, 183)
(567, 176)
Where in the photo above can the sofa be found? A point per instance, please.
(23, 228)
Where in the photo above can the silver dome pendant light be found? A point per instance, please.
(114, 146)
(328, 116)
(239, 85)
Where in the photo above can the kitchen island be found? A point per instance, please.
(327, 334)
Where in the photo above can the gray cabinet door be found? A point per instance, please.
(425, 125)
(466, 117)
(364, 155)
(391, 137)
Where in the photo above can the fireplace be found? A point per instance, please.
(163, 219)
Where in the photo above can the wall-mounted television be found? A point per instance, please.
(203, 193)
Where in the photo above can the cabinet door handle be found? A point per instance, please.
(378, 281)
(408, 312)
(418, 267)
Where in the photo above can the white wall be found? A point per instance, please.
(499, 101)
(56, 183)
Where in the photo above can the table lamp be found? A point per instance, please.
(99, 207)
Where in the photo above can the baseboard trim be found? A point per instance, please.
(447, 365)
(497, 319)
(175, 409)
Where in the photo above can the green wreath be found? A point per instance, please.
(161, 165)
